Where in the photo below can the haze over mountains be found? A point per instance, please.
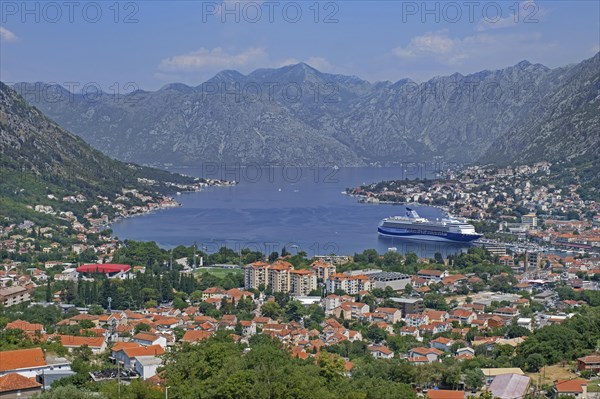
(296, 115)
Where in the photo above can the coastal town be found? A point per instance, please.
(519, 205)
(467, 325)
(79, 307)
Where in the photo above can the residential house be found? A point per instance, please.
(412, 331)
(31, 363)
(437, 315)
(430, 354)
(96, 344)
(442, 343)
(416, 319)
(510, 386)
(465, 317)
(464, 353)
(127, 356)
(148, 339)
(352, 310)
(214, 292)
(248, 328)
(193, 336)
(435, 276)
(16, 386)
(380, 352)
(434, 328)
(491, 373)
(30, 328)
(235, 294)
(27, 362)
(577, 388)
(146, 366)
(591, 362)
(445, 394)
(389, 315)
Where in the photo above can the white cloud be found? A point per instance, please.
(197, 66)
(477, 49)
(7, 36)
(217, 58)
(430, 43)
(527, 12)
(438, 45)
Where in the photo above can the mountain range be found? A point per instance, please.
(297, 115)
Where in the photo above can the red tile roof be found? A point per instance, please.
(25, 326)
(122, 345)
(445, 394)
(21, 358)
(15, 382)
(195, 335)
(146, 336)
(570, 385)
(75, 341)
(144, 351)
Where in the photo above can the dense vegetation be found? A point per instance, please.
(219, 368)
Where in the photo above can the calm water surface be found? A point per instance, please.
(302, 209)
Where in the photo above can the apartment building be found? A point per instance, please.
(255, 275)
(351, 285)
(279, 276)
(323, 269)
(14, 295)
(533, 260)
(302, 282)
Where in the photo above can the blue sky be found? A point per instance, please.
(151, 43)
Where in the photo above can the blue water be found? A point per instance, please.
(301, 209)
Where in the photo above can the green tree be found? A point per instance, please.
(69, 392)
(179, 303)
(534, 362)
(141, 327)
(271, 309)
(331, 366)
(451, 376)
(375, 333)
(294, 311)
(96, 310)
(196, 297)
(474, 378)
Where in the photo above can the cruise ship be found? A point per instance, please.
(415, 227)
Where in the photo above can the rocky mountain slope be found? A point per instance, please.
(563, 125)
(38, 159)
(296, 115)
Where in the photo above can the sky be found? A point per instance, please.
(125, 45)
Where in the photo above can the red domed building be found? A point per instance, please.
(109, 269)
